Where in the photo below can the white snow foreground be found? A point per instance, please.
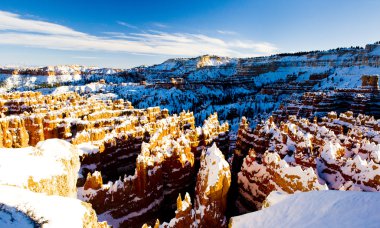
(315, 209)
(23, 208)
(38, 187)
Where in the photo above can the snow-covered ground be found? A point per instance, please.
(316, 209)
(23, 208)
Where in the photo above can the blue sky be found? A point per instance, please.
(131, 33)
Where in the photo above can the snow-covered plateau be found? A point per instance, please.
(251, 87)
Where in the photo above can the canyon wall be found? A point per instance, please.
(165, 168)
(145, 156)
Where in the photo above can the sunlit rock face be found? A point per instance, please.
(338, 152)
(213, 183)
(136, 162)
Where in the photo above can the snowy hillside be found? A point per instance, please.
(316, 209)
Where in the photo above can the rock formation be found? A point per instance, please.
(210, 205)
(258, 179)
(363, 100)
(135, 162)
(164, 168)
(299, 155)
(156, 153)
(213, 183)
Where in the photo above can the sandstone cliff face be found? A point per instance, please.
(333, 58)
(163, 168)
(206, 60)
(231, 87)
(151, 157)
(184, 215)
(138, 161)
(13, 132)
(362, 100)
(57, 70)
(355, 172)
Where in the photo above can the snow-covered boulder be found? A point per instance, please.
(51, 167)
(23, 208)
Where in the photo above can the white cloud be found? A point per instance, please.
(114, 34)
(125, 24)
(227, 32)
(160, 25)
(84, 57)
(15, 30)
(259, 47)
(13, 22)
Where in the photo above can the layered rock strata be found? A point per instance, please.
(362, 100)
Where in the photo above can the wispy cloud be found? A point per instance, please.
(84, 57)
(125, 24)
(15, 30)
(114, 33)
(13, 22)
(160, 25)
(227, 32)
